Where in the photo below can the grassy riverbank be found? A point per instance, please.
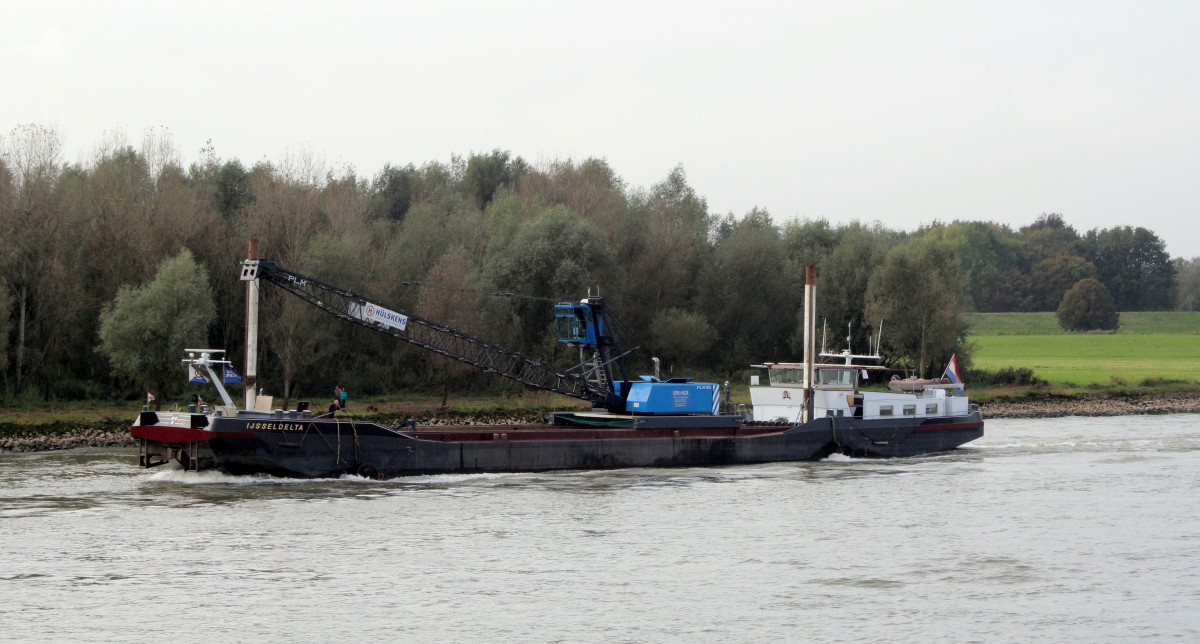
(1151, 353)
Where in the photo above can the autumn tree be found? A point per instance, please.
(285, 213)
(447, 298)
(6, 219)
(664, 249)
(30, 230)
(1087, 307)
(343, 206)
(118, 219)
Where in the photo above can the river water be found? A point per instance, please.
(1075, 529)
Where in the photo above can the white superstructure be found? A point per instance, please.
(834, 388)
(836, 392)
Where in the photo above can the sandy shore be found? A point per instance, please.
(37, 440)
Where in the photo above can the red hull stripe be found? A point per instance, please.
(168, 434)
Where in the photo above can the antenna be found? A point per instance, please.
(824, 327)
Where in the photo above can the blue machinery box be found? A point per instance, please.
(674, 396)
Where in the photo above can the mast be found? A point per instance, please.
(251, 329)
(810, 336)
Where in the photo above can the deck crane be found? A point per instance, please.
(584, 325)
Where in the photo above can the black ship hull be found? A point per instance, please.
(318, 448)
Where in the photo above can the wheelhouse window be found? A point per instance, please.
(931, 409)
(789, 377)
(835, 377)
(885, 410)
(910, 410)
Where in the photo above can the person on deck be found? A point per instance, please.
(337, 395)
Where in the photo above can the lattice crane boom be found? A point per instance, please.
(430, 335)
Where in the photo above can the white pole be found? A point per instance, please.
(251, 377)
(810, 336)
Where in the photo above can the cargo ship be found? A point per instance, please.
(806, 411)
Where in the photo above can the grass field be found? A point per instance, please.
(1136, 323)
(1149, 346)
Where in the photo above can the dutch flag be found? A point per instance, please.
(951, 373)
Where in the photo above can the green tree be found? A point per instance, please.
(1049, 236)
(987, 251)
(744, 287)
(1055, 275)
(392, 192)
(1187, 291)
(809, 241)
(554, 254)
(842, 280)
(487, 173)
(1134, 266)
(144, 330)
(918, 293)
(233, 190)
(1088, 306)
(682, 336)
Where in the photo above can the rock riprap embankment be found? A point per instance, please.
(1059, 406)
(18, 438)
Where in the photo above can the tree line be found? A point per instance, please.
(486, 242)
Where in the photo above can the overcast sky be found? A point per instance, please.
(901, 112)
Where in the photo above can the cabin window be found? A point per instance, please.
(572, 326)
(787, 376)
(835, 377)
(931, 409)
(885, 410)
(910, 410)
